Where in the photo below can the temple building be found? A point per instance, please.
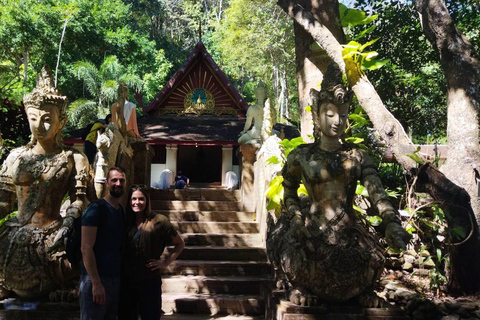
(193, 123)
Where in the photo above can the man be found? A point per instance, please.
(102, 234)
(181, 181)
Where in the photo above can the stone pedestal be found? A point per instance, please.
(142, 160)
(247, 177)
(277, 308)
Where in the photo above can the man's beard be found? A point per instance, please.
(116, 192)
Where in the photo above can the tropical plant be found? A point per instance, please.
(274, 191)
(101, 84)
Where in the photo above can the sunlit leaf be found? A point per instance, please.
(365, 32)
(439, 254)
(374, 64)
(302, 190)
(369, 55)
(359, 209)
(354, 140)
(369, 43)
(416, 158)
(374, 220)
(273, 160)
(274, 193)
(410, 229)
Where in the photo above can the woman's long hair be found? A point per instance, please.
(148, 236)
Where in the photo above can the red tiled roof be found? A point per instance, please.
(199, 71)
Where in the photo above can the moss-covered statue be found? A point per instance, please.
(38, 176)
(320, 248)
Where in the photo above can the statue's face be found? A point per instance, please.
(333, 119)
(44, 122)
(261, 95)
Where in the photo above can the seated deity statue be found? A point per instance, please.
(318, 245)
(38, 176)
(129, 119)
(255, 115)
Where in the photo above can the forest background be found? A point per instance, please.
(144, 42)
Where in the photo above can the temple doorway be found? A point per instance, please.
(201, 164)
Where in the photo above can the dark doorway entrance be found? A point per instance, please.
(201, 164)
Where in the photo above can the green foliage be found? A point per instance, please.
(365, 60)
(353, 17)
(8, 216)
(102, 85)
(255, 39)
(153, 82)
(274, 191)
(412, 85)
(289, 145)
(415, 156)
(82, 112)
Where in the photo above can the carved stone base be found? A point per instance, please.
(278, 308)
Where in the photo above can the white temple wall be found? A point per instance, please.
(171, 162)
(227, 152)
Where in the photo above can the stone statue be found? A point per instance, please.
(270, 143)
(124, 114)
(38, 176)
(318, 245)
(112, 147)
(255, 114)
(114, 144)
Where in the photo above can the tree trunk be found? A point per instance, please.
(388, 126)
(463, 276)
(312, 60)
(462, 72)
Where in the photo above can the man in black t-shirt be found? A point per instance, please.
(102, 236)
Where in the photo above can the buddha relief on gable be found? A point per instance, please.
(199, 101)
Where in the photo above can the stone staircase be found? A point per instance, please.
(223, 269)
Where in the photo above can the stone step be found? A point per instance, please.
(213, 285)
(216, 227)
(285, 310)
(208, 317)
(197, 205)
(210, 194)
(213, 304)
(223, 240)
(220, 216)
(218, 268)
(214, 253)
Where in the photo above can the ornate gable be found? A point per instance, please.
(198, 87)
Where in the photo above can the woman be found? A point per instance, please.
(147, 236)
(38, 176)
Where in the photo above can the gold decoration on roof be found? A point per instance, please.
(199, 101)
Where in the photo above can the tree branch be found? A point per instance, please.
(387, 125)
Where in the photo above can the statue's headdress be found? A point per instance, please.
(261, 89)
(333, 90)
(46, 93)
